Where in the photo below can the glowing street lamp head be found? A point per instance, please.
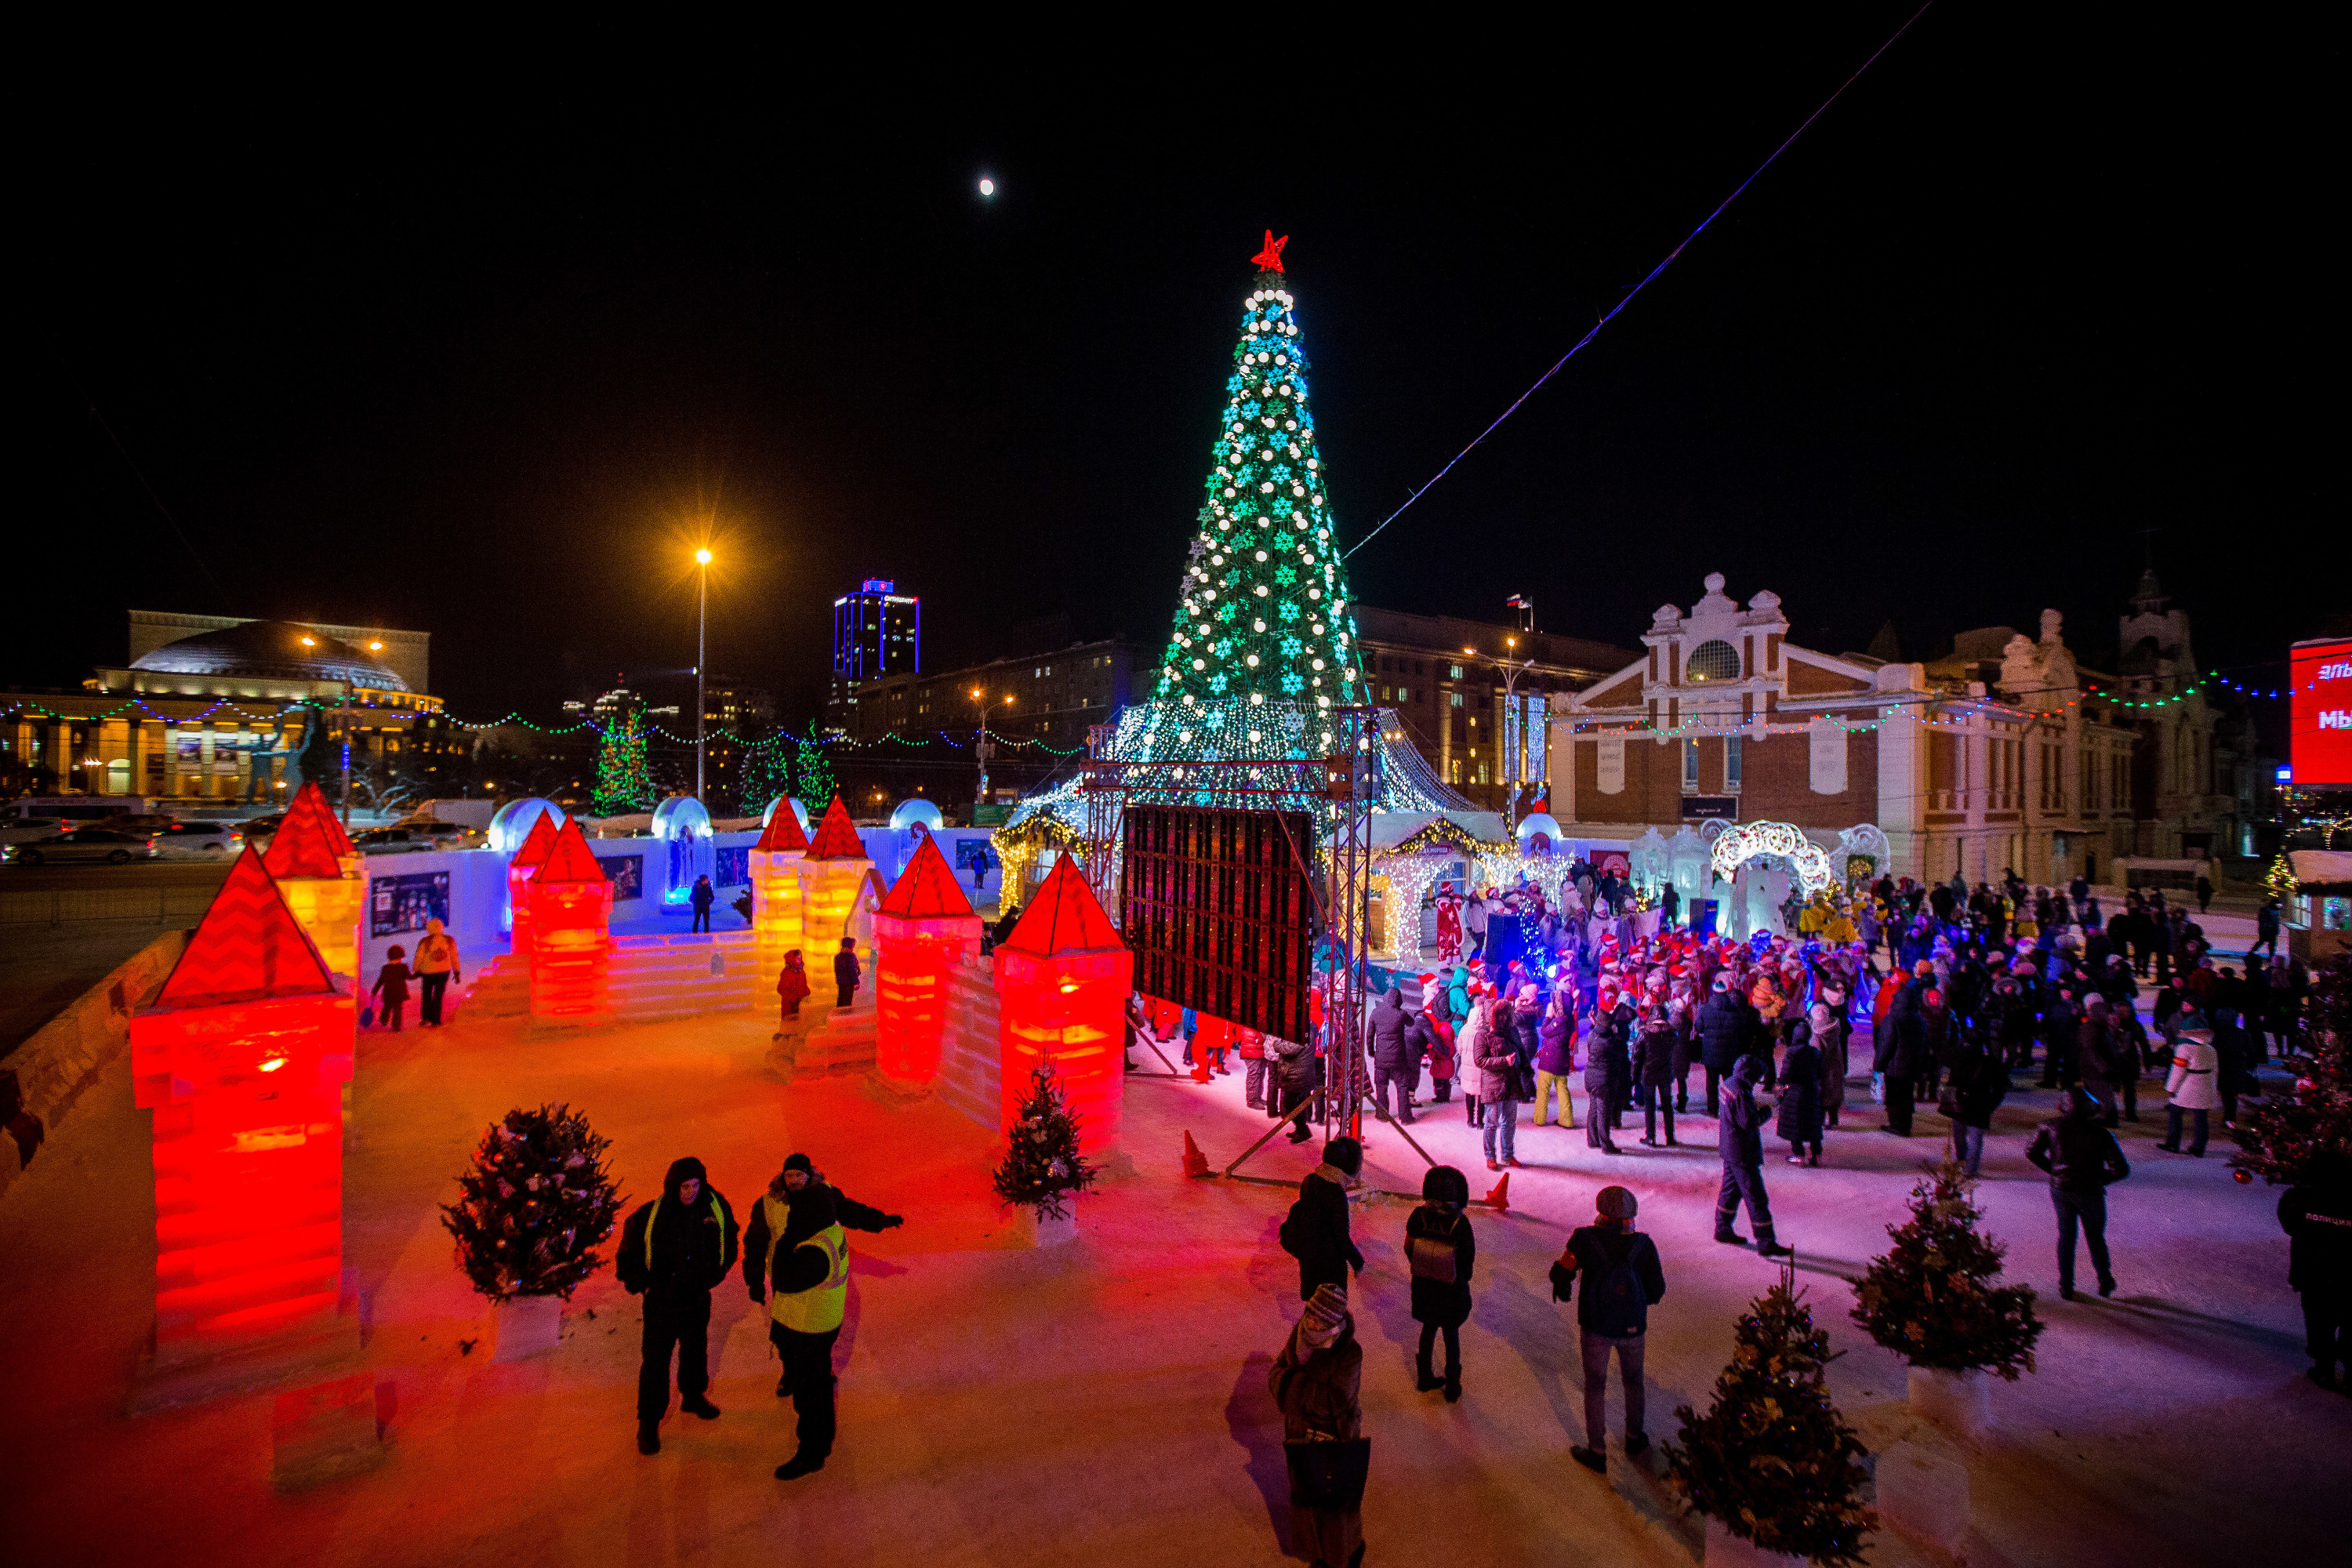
(376, 648)
(702, 557)
(987, 186)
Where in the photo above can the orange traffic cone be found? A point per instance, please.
(1499, 1199)
(1195, 1162)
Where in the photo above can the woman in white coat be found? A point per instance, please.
(2194, 1087)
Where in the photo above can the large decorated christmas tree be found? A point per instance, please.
(624, 780)
(2285, 1137)
(1264, 613)
(1263, 648)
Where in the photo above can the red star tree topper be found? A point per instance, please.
(1270, 258)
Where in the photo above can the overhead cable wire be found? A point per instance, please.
(1611, 315)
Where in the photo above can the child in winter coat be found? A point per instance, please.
(1442, 1250)
(392, 988)
(792, 987)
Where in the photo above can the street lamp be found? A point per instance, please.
(701, 639)
(1511, 669)
(979, 745)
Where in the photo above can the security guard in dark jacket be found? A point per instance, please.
(808, 1297)
(672, 1250)
(771, 1219)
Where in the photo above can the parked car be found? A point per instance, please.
(198, 841)
(116, 848)
(392, 841)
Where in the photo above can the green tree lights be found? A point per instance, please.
(624, 781)
(1262, 618)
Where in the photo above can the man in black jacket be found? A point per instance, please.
(1723, 1033)
(1395, 1061)
(1902, 1050)
(2317, 1214)
(2082, 1158)
(1316, 1230)
(1739, 1137)
(846, 973)
(672, 1250)
(1622, 1280)
(1607, 1071)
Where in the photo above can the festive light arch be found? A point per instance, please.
(1741, 843)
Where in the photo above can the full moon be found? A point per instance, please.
(987, 187)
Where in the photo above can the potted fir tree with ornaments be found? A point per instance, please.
(532, 1211)
(2282, 1137)
(1772, 1464)
(1041, 1171)
(1934, 1298)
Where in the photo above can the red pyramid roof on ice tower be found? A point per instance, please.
(1065, 917)
(309, 842)
(568, 858)
(836, 835)
(927, 889)
(537, 844)
(248, 946)
(783, 833)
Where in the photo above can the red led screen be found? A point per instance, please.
(2322, 752)
(1219, 912)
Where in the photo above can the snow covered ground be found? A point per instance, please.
(1106, 1402)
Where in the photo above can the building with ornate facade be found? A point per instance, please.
(221, 715)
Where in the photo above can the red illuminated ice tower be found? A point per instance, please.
(537, 844)
(321, 875)
(925, 926)
(570, 934)
(243, 1059)
(1062, 982)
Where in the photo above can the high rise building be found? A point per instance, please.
(876, 631)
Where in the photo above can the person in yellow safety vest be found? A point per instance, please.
(672, 1250)
(766, 1232)
(810, 1293)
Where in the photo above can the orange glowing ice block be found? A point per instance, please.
(321, 875)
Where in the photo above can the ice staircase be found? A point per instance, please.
(842, 1040)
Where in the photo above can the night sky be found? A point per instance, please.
(480, 348)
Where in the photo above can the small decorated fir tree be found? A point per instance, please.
(767, 772)
(1042, 1164)
(2281, 1135)
(1931, 1297)
(624, 782)
(1773, 1459)
(536, 1204)
(812, 781)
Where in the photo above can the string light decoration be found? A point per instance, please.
(832, 871)
(624, 782)
(776, 900)
(528, 858)
(1263, 615)
(243, 1059)
(1741, 843)
(570, 934)
(1062, 983)
(321, 875)
(924, 927)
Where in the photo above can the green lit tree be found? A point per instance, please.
(1772, 1458)
(1042, 1165)
(1934, 1298)
(624, 781)
(2284, 1135)
(813, 782)
(1263, 612)
(534, 1207)
(764, 773)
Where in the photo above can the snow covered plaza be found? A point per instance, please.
(1107, 1401)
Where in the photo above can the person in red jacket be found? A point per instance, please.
(792, 988)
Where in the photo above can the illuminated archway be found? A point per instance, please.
(1742, 842)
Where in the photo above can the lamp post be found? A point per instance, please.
(979, 746)
(701, 637)
(1512, 669)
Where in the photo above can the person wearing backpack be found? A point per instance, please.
(1315, 1232)
(1442, 1251)
(1622, 1279)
